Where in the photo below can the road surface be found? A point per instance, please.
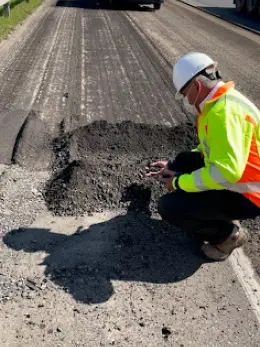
(110, 276)
(226, 10)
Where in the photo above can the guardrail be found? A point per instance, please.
(6, 4)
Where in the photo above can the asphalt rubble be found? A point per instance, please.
(99, 166)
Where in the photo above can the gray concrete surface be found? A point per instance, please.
(226, 11)
(80, 62)
(114, 279)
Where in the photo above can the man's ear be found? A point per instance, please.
(197, 84)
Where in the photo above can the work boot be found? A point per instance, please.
(223, 250)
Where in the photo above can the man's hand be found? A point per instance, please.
(164, 175)
(167, 179)
(162, 165)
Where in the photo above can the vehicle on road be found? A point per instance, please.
(249, 7)
(156, 3)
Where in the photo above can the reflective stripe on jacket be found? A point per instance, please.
(229, 135)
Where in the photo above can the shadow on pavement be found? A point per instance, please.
(117, 5)
(232, 15)
(130, 247)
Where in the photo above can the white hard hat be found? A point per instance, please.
(187, 68)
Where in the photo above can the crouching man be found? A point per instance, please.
(217, 184)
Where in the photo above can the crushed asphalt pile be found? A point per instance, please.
(98, 166)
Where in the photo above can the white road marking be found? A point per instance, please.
(245, 273)
(83, 79)
(48, 56)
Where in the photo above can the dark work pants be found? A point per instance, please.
(208, 214)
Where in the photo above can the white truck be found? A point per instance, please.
(248, 7)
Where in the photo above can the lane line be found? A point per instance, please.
(245, 273)
(48, 56)
(83, 66)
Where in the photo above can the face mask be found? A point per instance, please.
(188, 107)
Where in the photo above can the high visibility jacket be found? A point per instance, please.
(229, 136)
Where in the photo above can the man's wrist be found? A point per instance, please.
(175, 181)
